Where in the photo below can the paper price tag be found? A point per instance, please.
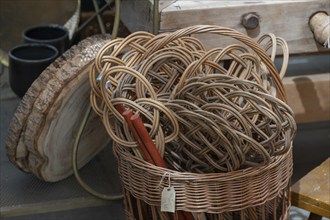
(168, 199)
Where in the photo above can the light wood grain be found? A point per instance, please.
(15, 148)
(287, 19)
(309, 96)
(42, 132)
(312, 191)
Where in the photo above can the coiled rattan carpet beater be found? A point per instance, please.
(203, 114)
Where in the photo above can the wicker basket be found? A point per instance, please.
(224, 131)
(253, 193)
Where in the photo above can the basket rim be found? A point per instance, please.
(232, 175)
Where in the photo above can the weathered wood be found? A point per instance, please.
(43, 128)
(308, 96)
(15, 147)
(136, 15)
(287, 19)
(312, 191)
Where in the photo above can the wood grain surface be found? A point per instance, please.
(287, 19)
(43, 128)
(312, 191)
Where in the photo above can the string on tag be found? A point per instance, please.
(162, 180)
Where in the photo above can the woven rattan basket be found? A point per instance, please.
(223, 128)
(253, 193)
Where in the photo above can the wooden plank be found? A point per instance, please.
(136, 15)
(288, 19)
(312, 191)
(298, 202)
(309, 97)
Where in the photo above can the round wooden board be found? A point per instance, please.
(43, 128)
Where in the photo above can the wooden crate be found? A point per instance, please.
(288, 19)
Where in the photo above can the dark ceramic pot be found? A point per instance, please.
(52, 34)
(26, 62)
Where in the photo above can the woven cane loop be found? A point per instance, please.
(205, 114)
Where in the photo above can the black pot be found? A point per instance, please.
(26, 62)
(52, 34)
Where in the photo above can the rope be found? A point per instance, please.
(83, 124)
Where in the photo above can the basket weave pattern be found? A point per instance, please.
(223, 128)
(209, 193)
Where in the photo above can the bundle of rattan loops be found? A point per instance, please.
(205, 114)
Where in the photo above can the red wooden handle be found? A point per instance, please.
(145, 137)
(120, 108)
(127, 115)
(151, 147)
(147, 147)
